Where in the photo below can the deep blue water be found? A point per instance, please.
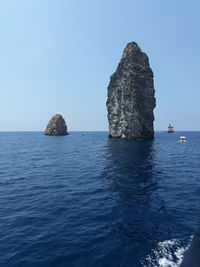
(87, 200)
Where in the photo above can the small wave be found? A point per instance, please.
(168, 253)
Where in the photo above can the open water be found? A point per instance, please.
(87, 200)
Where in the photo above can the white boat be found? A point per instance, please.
(182, 139)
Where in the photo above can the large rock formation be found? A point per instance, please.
(131, 98)
(56, 126)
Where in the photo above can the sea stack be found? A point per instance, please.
(131, 100)
(56, 126)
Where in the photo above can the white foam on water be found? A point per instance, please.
(168, 253)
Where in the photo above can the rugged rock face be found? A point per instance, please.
(56, 126)
(131, 98)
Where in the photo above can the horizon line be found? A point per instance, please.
(26, 131)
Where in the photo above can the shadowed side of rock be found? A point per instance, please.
(131, 100)
(56, 126)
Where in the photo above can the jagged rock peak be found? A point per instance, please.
(130, 47)
(133, 52)
(131, 100)
(56, 126)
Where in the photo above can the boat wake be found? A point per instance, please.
(168, 253)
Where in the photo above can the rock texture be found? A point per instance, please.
(131, 98)
(56, 126)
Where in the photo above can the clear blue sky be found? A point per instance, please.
(56, 56)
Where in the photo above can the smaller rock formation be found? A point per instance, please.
(56, 126)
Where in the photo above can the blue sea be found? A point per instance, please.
(87, 200)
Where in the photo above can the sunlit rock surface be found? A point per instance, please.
(131, 100)
(56, 126)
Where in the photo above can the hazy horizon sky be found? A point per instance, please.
(58, 56)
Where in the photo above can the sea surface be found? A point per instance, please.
(87, 200)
